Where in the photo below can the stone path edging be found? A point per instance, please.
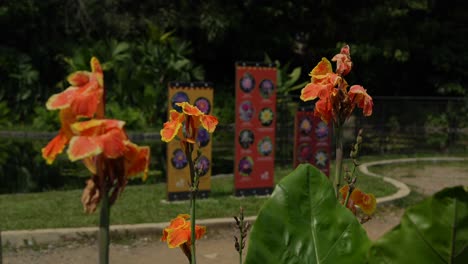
(403, 189)
(19, 238)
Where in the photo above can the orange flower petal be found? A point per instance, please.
(209, 122)
(95, 65)
(368, 203)
(199, 231)
(359, 96)
(190, 109)
(323, 109)
(83, 147)
(63, 99)
(96, 127)
(344, 190)
(176, 116)
(178, 237)
(136, 160)
(98, 73)
(54, 147)
(314, 90)
(90, 164)
(170, 130)
(85, 104)
(112, 143)
(78, 78)
(321, 71)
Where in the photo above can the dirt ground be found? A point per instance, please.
(218, 246)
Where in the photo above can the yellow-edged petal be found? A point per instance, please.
(359, 96)
(170, 130)
(190, 109)
(321, 71)
(136, 160)
(54, 147)
(209, 122)
(78, 78)
(83, 147)
(62, 100)
(112, 143)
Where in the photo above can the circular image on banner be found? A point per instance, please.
(179, 97)
(304, 152)
(203, 137)
(247, 83)
(266, 116)
(203, 104)
(321, 131)
(179, 160)
(305, 126)
(266, 88)
(265, 146)
(246, 138)
(246, 166)
(246, 111)
(202, 166)
(321, 159)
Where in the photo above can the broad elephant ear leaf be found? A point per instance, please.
(302, 222)
(433, 231)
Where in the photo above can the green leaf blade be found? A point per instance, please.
(433, 231)
(303, 222)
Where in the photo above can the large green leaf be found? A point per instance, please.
(433, 231)
(302, 222)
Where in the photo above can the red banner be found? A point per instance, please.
(255, 128)
(312, 142)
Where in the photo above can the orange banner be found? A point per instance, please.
(199, 94)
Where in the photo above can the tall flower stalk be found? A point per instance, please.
(336, 100)
(184, 126)
(100, 143)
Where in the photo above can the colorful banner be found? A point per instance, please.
(254, 163)
(312, 141)
(199, 94)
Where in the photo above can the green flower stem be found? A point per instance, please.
(338, 159)
(104, 230)
(348, 194)
(104, 214)
(193, 196)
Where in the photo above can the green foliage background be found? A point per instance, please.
(407, 47)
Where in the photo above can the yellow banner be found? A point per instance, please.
(178, 174)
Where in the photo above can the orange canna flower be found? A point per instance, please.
(335, 102)
(178, 233)
(84, 96)
(191, 118)
(100, 143)
(82, 99)
(343, 61)
(366, 202)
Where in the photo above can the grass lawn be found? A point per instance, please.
(138, 204)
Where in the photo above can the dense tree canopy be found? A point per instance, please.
(412, 47)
